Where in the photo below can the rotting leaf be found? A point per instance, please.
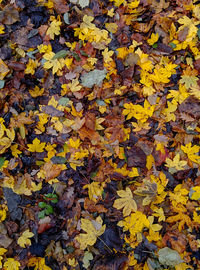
(169, 257)
(92, 78)
(9, 15)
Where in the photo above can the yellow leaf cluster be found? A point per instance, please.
(137, 111)
(88, 31)
(135, 223)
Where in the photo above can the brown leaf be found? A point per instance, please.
(52, 170)
(90, 120)
(60, 6)
(91, 135)
(191, 106)
(49, 109)
(9, 15)
(136, 157)
(78, 123)
(177, 240)
(182, 34)
(67, 198)
(16, 66)
(92, 207)
(20, 37)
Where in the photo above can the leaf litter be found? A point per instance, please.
(99, 134)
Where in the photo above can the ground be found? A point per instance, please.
(99, 134)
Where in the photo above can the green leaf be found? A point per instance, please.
(75, 55)
(155, 45)
(49, 210)
(2, 160)
(60, 54)
(54, 201)
(48, 195)
(83, 53)
(41, 214)
(42, 204)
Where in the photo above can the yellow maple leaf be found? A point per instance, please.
(110, 12)
(15, 150)
(189, 81)
(189, 78)
(74, 143)
(2, 28)
(195, 193)
(2, 215)
(93, 230)
(107, 55)
(11, 264)
(95, 190)
(111, 27)
(154, 38)
(83, 153)
(176, 164)
(36, 146)
(37, 92)
(2, 251)
(31, 66)
(74, 85)
(55, 64)
(126, 202)
(150, 162)
(54, 28)
(191, 151)
(39, 263)
(24, 240)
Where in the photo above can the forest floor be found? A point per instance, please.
(99, 134)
